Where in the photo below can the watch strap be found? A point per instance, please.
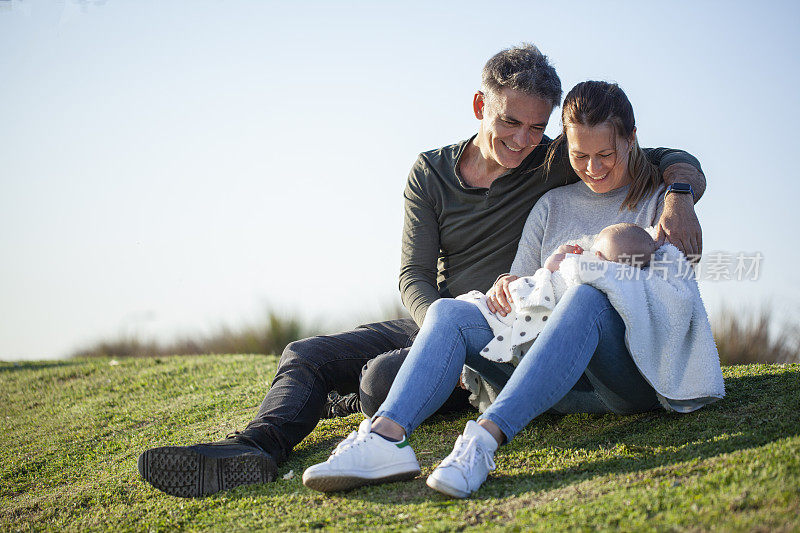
(680, 188)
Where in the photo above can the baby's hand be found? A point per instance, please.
(554, 261)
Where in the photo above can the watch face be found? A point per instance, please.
(680, 187)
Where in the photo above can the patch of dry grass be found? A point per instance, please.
(754, 337)
(269, 337)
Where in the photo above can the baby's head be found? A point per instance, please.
(625, 243)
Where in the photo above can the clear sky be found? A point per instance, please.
(170, 166)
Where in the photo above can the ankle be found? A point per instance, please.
(388, 429)
(493, 430)
(389, 439)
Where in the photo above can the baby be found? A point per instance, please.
(625, 243)
(622, 243)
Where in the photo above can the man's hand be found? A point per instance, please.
(679, 225)
(554, 261)
(499, 297)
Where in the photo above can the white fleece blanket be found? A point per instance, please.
(666, 325)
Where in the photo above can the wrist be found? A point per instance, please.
(678, 199)
(684, 179)
(679, 194)
(680, 188)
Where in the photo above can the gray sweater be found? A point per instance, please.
(565, 214)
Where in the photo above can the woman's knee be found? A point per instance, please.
(583, 299)
(449, 311)
(583, 293)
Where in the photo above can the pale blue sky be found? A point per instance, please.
(166, 167)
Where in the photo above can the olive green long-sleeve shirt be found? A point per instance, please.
(457, 238)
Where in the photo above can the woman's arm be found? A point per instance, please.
(529, 250)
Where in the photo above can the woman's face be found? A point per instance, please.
(600, 162)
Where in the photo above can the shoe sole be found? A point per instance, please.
(444, 488)
(340, 483)
(183, 472)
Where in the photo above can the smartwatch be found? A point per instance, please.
(680, 188)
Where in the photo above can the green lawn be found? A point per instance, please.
(72, 430)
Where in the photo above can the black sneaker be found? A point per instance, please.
(203, 469)
(337, 405)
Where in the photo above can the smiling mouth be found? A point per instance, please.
(512, 149)
(598, 178)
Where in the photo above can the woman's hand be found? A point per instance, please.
(554, 261)
(499, 297)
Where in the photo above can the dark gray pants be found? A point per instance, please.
(309, 369)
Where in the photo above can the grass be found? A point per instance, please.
(72, 430)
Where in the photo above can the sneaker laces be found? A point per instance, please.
(353, 439)
(341, 406)
(466, 454)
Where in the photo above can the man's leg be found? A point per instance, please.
(378, 375)
(308, 370)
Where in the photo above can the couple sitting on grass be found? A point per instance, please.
(618, 329)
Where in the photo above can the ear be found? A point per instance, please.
(478, 102)
(633, 138)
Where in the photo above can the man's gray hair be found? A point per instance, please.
(522, 68)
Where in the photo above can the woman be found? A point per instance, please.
(583, 339)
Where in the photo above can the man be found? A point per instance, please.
(466, 205)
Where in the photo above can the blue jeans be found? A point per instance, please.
(579, 363)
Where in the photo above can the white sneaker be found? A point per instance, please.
(465, 469)
(363, 458)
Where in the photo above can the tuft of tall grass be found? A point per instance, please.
(123, 346)
(270, 337)
(753, 337)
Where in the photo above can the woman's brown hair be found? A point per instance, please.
(591, 103)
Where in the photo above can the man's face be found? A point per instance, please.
(512, 124)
